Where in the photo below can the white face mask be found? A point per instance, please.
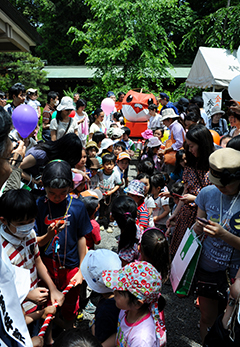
(56, 103)
(23, 231)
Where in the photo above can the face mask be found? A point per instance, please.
(23, 231)
(56, 103)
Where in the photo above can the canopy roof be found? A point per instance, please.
(213, 67)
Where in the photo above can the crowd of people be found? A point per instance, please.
(62, 189)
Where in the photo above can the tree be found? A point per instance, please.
(53, 20)
(24, 68)
(217, 29)
(130, 42)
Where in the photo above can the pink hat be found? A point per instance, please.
(147, 134)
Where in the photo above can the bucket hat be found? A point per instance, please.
(65, 104)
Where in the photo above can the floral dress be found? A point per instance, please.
(194, 181)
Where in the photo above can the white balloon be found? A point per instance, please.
(234, 88)
(238, 54)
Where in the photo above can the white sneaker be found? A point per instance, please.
(109, 230)
(101, 227)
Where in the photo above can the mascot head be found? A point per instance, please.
(135, 106)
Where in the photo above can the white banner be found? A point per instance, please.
(211, 99)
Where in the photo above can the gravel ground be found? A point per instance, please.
(180, 314)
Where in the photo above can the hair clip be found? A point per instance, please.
(127, 214)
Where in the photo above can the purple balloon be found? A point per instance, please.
(24, 119)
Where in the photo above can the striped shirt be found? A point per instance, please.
(23, 253)
(143, 216)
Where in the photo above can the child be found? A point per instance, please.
(136, 290)
(224, 140)
(81, 165)
(124, 211)
(161, 212)
(119, 147)
(158, 132)
(31, 100)
(130, 147)
(96, 176)
(18, 213)
(97, 137)
(63, 245)
(123, 161)
(155, 118)
(145, 166)
(91, 202)
(109, 185)
(92, 149)
(106, 147)
(176, 191)
(106, 315)
(181, 160)
(146, 179)
(151, 152)
(136, 191)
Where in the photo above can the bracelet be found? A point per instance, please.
(231, 302)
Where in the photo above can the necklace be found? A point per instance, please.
(55, 243)
(232, 203)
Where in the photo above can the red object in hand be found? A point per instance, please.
(72, 114)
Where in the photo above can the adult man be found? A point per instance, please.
(52, 102)
(17, 93)
(164, 101)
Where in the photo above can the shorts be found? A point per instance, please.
(70, 306)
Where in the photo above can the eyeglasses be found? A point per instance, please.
(12, 160)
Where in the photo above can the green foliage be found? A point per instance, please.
(218, 29)
(24, 68)
(130, 41)
(183, 91)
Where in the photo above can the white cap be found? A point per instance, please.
(94, 263)
(65, 104)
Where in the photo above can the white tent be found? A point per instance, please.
(213, 67)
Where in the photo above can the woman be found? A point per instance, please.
(63, 124)
(82, 120)
(98, 124)
(192, 118)
(199, 145)
(68, 148)
(176, 136)
(218, 206)
(218, 123)
(236, 131)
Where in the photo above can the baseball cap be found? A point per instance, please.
(164, 95)
(94, 263)
(95, 193)
(123, 155)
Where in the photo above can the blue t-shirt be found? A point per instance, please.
(78, 225)
(216, 253)
(169, 105)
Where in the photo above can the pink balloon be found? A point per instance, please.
(107, 106)
(24, 119)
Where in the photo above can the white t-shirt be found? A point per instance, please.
(137, 334)
(110, 181)
(34, 104)
(155, 122)
(150, 203)
(62, 126)
(83, 137)
(94, 127)
(159, 203)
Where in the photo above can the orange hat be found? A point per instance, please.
(123, 155)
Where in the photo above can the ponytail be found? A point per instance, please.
(124, 211)
(155, 250)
